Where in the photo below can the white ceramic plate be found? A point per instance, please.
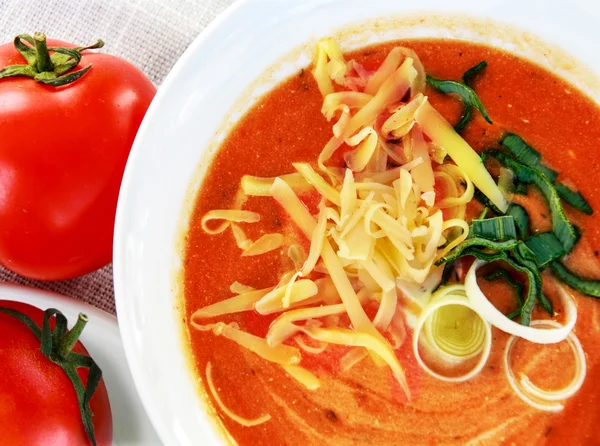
(102, 340)
(190, 107)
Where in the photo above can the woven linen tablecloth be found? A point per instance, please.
(151, 34)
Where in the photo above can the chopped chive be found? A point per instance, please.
(521, 219)
(497, 229)
(562, 228)
(464, 92)
(545, 247)
(527, 155)
(573, 198)
(589, 287)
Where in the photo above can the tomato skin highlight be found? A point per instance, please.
(38, 405)
(63, 151)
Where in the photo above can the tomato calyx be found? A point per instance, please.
(57, 345)
(44, 67)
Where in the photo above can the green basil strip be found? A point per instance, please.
(502, 274)
(497, 229)
(573, 198)
(473, 71)
(464, 92)
(546, 248)
(521, 189)
(519, 214)
(527, 155)
(468, 77)
(464, 120)
(533, 290)
(562, 228)
(479, 196)
(526, 257)
(589, 287)
(477, 242)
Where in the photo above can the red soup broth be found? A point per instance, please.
(362, 405)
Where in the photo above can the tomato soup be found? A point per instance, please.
(363, 404)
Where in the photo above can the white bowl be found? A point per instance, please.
(175, 141)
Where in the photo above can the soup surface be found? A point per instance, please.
(364, 405)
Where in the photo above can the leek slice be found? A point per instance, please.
(455, 332)
(491, 314)
(497, 229)
(550, 401)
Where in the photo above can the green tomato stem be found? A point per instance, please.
(44, 63)
(70, 339)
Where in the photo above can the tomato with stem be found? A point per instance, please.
(65, 135)
(51, 390)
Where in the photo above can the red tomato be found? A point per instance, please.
(62, 155)
(38, 405)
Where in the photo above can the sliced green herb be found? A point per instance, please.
(527, 258)
(533, 290)
(502, 274)
(521, 188)
(472, 72)
(497, 229)
(546, 248)
(479, 196)
(464, 120)
(573, 198)
(478, 242)
(527, 155)
(519, 214)
(589, 287)
(562, 228)
(468, 77)
(464, 92)
(483, 213)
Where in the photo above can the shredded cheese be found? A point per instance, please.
(241, 420)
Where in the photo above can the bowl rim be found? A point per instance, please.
(125, 329)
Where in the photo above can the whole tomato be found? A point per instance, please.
(38, 401)
(63, 151)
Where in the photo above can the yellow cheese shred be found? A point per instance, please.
(241, 420)
(268, 242)
(228, 216)
(298, 291)
(303, 376)
(260, 186)
(341, 336)
(281, 354)
(236, 304)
